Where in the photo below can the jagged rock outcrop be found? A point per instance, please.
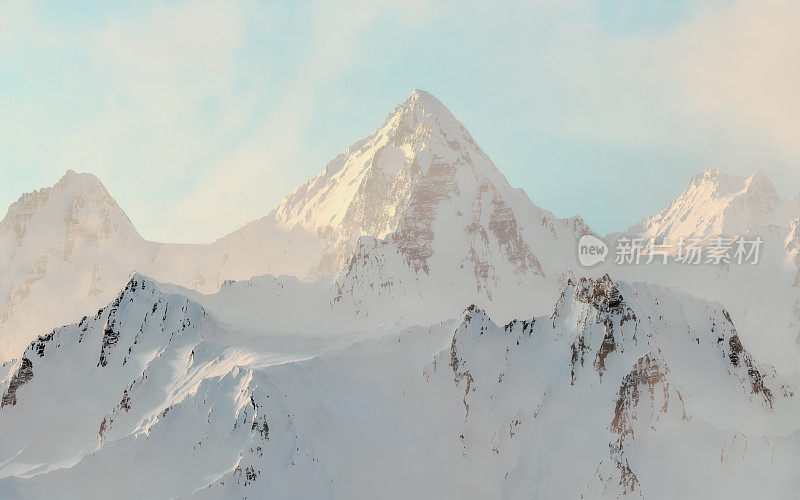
(613, 360)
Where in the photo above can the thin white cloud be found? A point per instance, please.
(172, 56)
(261, 167)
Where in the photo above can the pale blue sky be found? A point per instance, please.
(201, 115)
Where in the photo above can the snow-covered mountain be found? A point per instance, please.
(418, 175)
(621, 389)
(417, 210)
(716, 204)
(63, 250)
(763, 298)
(324, 350)
(463, 234)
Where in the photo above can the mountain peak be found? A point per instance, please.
(423, 112)
(78, 201)
(711, 175)
(718, 204)
(760, 182)
(720, 184)
(80, 182)
(419, 167)
(420, 99)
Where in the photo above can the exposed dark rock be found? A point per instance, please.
(22, 376)
(39, 344)
(608, 346)
(125, 403)
(739, 357)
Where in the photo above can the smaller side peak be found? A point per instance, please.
(473, 311)
(79, 179)
(63, 192)
(727, 185)
(138, 281)
(473, 308)
(136, 276)
(711, 175)
(761, 181)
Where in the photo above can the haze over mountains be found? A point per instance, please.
(763, 299)
(349, 343)
(424, 195)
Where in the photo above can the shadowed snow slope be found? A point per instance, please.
(621, 389)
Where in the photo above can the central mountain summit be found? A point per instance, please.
(399, 183)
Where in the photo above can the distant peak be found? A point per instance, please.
(79, 181)
(724, 184)
(710, 175)
(760, 179)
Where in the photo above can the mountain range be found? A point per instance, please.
(404, 324)
(417, 201)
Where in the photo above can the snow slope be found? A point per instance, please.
(313, 353)
(621, 389)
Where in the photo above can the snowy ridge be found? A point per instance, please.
(593, 394)
(287, 359)
(151, 384)
(625, 368)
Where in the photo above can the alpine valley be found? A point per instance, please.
(406, 324)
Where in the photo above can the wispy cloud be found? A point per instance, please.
(263, 167)
(737, 63)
